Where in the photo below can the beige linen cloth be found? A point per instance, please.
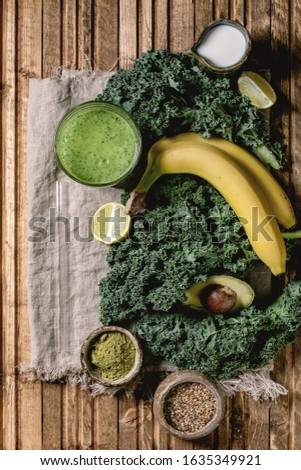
(65, 264)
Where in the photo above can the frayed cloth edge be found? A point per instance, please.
(73, 376)
(257, 384)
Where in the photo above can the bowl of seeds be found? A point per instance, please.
(188, 405)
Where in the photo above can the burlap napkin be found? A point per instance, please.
(65, 264)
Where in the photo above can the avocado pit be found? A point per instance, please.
(220, 294)
(218, 299)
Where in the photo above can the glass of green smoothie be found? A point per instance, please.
(97, 144)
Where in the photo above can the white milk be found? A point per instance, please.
(223, 46)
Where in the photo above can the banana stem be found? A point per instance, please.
(136, 202)
(291, 235)
(267, 156)
(150, 176)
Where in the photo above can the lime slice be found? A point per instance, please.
(257, 89)
(110, 223)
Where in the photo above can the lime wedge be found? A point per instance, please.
(110, 223)
(257, 89)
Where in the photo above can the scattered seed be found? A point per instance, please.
(189, 407)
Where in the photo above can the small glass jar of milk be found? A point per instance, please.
(223, 46)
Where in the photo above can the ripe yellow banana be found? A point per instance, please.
(231, 180)
(276, 196)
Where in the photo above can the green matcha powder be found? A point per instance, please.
(113, 355)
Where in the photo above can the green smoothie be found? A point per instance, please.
(97, 145)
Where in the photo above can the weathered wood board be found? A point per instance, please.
(37, 37)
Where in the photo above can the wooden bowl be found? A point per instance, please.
(181, 377)
(209, 65)
(92, 370)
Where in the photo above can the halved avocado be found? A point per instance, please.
(244, 292)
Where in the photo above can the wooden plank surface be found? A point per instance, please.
(128, 423)
(221, 9)
(161, 24)
(69, 54)
(70, 422)
(145, 425)
(295, 147)
(203, 15)
(181, 25)
(258, 21)
(281, 414)
(161, 437)
(51, 61)
(9, 398)
(127, 33)
(84, 34)
(85, 61)
(106, 422)
(85, 420)
(145, 26)
(69, 34)
(39, 36)
(29, 64)
(105, 30)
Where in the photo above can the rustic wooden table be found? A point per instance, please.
(38, 36)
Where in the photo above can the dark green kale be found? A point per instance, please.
(219, 346)
(188, 232)
(169, 93)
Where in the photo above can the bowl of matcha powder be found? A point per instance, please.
(112, 355)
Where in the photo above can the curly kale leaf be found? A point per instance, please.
(189, 232)
(168, 93)
(219, 346)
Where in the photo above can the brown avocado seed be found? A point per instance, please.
(218, 299)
